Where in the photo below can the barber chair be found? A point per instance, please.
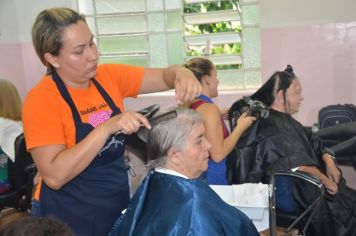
(21, 175)
(292, 206)
(340, 141)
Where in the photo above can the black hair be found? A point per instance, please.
(280, 80)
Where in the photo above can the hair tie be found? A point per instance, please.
(289, 69)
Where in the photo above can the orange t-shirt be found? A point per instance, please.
(47, 118)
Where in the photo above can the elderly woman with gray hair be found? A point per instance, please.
(173, 199)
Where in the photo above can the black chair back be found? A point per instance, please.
(294, 204)
(21, 174)
(23, 159)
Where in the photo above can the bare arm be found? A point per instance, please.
(330, 186)
(58, 165)
(186, 86)
(332, 171)
(224, 110)
(212, 121)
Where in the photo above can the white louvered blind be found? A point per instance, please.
(220, 31)
(138, 32)
(155, 33)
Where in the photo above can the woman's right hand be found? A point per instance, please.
(245, 121)
(127, 122)
(330, 186)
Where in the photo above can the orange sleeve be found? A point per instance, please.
(128, 79)
(131, 86)
(41, 116)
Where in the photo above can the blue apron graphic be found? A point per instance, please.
(92, 201)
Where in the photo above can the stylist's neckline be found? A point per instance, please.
(77, 86)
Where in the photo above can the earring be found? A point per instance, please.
(55, 65)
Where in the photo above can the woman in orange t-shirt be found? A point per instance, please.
(75, 125)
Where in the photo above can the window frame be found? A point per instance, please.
(148, 35)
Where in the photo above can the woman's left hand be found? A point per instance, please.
(186, 86)
(332, 171)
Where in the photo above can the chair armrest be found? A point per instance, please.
(30, 168)
(301, 175)
(272, 198)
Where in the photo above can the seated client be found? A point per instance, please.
(280, 142)
(173, 199)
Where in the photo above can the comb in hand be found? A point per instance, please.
(142, 133)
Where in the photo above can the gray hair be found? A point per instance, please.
(170, 134)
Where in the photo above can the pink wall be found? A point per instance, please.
(20, 64)
(323, 57)
(11, 66)
(34, 70)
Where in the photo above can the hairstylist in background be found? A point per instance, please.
(75, 123)
(216, 132)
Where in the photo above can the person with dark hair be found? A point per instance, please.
(36, 226)
(174, 199)
(75, 124)
(279, 143)
(216, 131)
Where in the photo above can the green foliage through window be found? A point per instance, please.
(220, 27)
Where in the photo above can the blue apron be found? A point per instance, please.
(92, 201)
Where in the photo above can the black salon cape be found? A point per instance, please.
(170, 205)
(279, 143)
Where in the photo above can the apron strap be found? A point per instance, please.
(107, 98)
(66, 96)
